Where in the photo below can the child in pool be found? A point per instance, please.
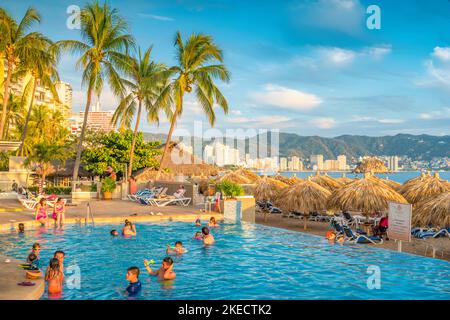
(21, 228)
(135, 285)
(213, 223)
(36, 249)
(33, 261)
(198, 236)
(178, 249)
(129, 229)
(60, 255)
(207, 236)
(198, 222)
(54, 277)
(163, 273)
(114, 233)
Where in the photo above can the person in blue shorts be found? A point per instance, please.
(135, 286)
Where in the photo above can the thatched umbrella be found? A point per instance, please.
(248, 174)
(268, 189)
(390, 183)
(433, 211)
(411, 182)
(366, 195)
(372, 165)
(425, 188)
(306, 197)
(284, 179)
(326, 181)
(235, 178)
(344, 180)
(295, 180)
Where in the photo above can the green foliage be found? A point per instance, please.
(113, 149)
(93, 187)
(4, 161)
(108, 184)
(42, 156)
(230, 189)
(53, 190)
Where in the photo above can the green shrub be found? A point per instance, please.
(230, 189)
(108, 184)
(93, 187)
(52, 190)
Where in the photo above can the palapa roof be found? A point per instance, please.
(372, 165)
(305, 197)
(65, 169)
(235, 178)
(434, 211)
(248, 174)
(425, 188)
(344, 179)
(366, 195)
(326, 181)
(268, 189)
(284, 179)
(295, 180)
(390, 183)
(148, 174)
(411, 182)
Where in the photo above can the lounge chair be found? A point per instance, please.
(360, 238)
(162, 202)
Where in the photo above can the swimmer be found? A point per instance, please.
(36, 249)
(129, 229)
(207, 237)
(135, 285)
(198, 236)
(198, 222)
(212, 222)
(60, 255)
(178, 249)
(33, 261)
(114, 233)
(21, 228)
(163, 273)
(54, 277)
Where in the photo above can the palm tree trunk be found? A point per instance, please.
(27, 119)
(133, 143)
(166, 147)
(80, 142)
(5, 102)
(42, 186)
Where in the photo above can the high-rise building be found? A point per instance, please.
(295, 163)
(331, 165)
(221, 154)
(316, 161)
(342, 162)
(283, 164)
(393, 163)
(64, 91)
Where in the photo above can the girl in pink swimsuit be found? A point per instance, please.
(41, 211)
(59, 212)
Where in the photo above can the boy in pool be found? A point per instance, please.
(163, 273)
(135, 285)
(33, 261)
(178, 249)
(21, 228)
(207, 237)
(114, 233)
(35, 250)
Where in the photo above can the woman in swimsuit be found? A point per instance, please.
(41, 212)
(59, 212)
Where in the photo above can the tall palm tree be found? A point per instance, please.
(105, 39)
(199, 62)
(41, 65)
(15, 44)
(146, 80)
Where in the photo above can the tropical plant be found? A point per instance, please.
(105, 41)
(146, 80)
(41, 65)
(41, 159)
(16, 43)
(230, 189)
(195, 70)
(108, 184)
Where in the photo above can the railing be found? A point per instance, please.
(89, 214)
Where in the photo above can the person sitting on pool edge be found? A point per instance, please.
(207, 236)
(114, 233)
(166, 270)
(129, 229)
(178, 249)
(135, 285)
(213, 223)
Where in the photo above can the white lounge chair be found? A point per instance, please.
(162, 202)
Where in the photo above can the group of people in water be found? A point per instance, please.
(165, 272)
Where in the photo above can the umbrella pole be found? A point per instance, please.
(305, 221)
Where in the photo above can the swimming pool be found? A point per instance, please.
(248, 261)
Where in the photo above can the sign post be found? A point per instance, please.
(400, 222)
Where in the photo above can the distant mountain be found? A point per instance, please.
(419, 147)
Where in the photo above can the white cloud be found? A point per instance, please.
(391, 121)
(336, 56)
(323, 123)
(155, 17)
(374, 119)
(377, 51)
(442, 53)
(439, 114)
(287, 98)
(236, 112)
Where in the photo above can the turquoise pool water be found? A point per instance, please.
(247, 262)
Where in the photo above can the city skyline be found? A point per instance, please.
(325, 77)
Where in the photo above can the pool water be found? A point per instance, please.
(248, 261)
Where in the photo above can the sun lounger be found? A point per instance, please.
(162, 202)
(360, 238)
(28, 203)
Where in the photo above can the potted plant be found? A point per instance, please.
(108, 186)
(230, 191)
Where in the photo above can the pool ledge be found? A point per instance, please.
(10, 275)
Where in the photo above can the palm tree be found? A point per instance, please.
(15, 44)
(146, 80)
(105, 40)
(41, 64)
(194, 71)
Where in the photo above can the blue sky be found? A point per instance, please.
(310, 67)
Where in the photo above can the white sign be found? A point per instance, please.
(400, 221)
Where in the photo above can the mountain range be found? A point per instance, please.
(420, 147)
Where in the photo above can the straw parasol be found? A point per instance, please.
(150, 174)
(371, 164)
(295, 180)
(268, 189)
(248, 174)
(425, 188)
(306, 197)
(366, 195)
(326, 181)
(284, 179)
(433, 211)
(411, 182)
(344, 180)
(390, 183)
(235, 178)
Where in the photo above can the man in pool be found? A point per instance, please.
(178, 249)
(129, 229)
(207, 237)
(163, 273)
(114, 233)
(21, 228)
(135, 285)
